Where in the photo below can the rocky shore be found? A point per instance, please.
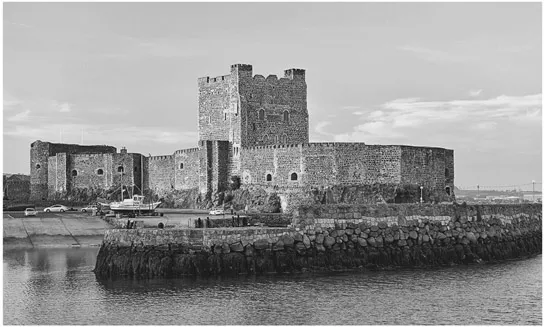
(347, 245)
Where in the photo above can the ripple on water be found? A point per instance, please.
(58, 287)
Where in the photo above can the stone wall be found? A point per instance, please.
(431, 167)
(39, 160)
(161, 174)
(93, 171)
(330, 164)
(275, 110)
(187, 168)
(331, 238)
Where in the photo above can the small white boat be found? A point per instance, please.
(134, 204)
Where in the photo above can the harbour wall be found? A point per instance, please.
(330, 238)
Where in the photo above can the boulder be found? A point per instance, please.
(374, 228)
(288, 240)
(413, 235)
(329, 241)
(278, 246)
(320, 238)
(382, 225)
(306, 241)
(371, 241)
(225, 248)
(320, 248)
(298, 237)
(401, 243)
(236, 247)
(389, 239)
(471, 237)
(261, 244)
(425, 238)
(362, 241)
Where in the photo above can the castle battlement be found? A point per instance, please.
(164, 157)
(186, 150)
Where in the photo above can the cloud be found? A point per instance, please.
(475, 93)
(17, 24)
(94, 134)
(350, 107)
(437, 123)
(20, 117)
(62, 107)
(436, 56)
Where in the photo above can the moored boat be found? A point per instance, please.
(134, 204)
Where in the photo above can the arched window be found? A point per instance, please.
(262, 114)
(293, 176)
(253, 126)
(269, 177)
(120, 169)
(38, 166)
(100, 172)
(181, 165)
(286, 116)
(74, 172)
(447, 189)
(135, 169)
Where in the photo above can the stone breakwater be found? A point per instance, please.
(330, 238)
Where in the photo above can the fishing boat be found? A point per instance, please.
(134, 204)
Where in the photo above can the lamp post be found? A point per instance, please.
(421, 189)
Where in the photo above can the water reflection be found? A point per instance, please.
(57, 286)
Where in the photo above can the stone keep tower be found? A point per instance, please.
(247, 111)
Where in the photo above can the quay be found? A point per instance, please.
(330, 237)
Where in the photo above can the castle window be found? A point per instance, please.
(120, 169)
(74, 172)
(284, 138)
(38, 166)
(182, 165)
(100, 172)
(447, 172)
(253, 126)
(286, 116)
(277, 139)
(293, 177)
(262, 114)
(135, 169)
(225, 116)
(447, 189)
(269, 177)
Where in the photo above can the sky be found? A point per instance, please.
(463, 76)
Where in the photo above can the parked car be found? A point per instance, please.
(216, 212)
(90, 207)
(30, 212)
(56, 208)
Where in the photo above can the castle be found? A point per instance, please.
(252, 127)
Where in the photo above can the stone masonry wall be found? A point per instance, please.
(322, 164)
(87, 167)
(275, 110)
(215, 117)
(187, 168)
(57, 171)
(431, 167)
(39, 158)
(431, 236)
(161, 174)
